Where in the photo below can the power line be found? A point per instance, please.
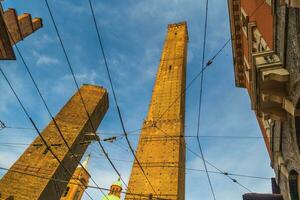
(200, 100)
(194, 79)
(77, 86)
(114, 94)
(64, 181)
(209, 62)
(198, 170)
(134, 134)
(49, 112)
(209, 163)
(34, 125)
(159, 138)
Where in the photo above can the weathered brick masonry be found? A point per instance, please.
(163, 158)
(37, 160)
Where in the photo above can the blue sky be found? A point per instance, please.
(133, 34)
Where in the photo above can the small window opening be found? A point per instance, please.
(45, 151)
(66, 191)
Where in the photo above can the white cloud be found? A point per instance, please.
(42, 59)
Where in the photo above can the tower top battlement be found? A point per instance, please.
(179, 25)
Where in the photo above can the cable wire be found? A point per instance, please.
(78, 89)
(72, 183)
(114, 95)
(198, 170)
(200, 101)
(209, 163)
(49, 112)
(34, 125)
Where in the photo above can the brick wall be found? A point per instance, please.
(36, 160)
(163, 158)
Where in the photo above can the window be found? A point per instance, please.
(66, 191)
(293, 184)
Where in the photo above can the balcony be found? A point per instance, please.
(269, 86)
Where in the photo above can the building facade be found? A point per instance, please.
(161, 148)
(41, 168)
(78, 182)
(266, 54)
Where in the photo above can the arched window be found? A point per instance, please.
(293, 184)
(297, 125)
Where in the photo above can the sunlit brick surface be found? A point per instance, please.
(163, 158)
(36, 160)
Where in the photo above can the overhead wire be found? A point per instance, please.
(134, 134)
(220, 51)
(209, 163)
(200, 100)
(209, 62)
(78, 89)
(114, 95)
(64, 181)
(48, 110)
(198, 170)
(160, 138)
(34, 125)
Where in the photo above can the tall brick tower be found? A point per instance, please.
(39, 162)
(163, 158)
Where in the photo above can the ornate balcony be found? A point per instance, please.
(269, 86)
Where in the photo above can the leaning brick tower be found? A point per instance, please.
(33, 176)
(161, 157)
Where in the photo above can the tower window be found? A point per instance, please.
(67, 191)
(170, 67)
